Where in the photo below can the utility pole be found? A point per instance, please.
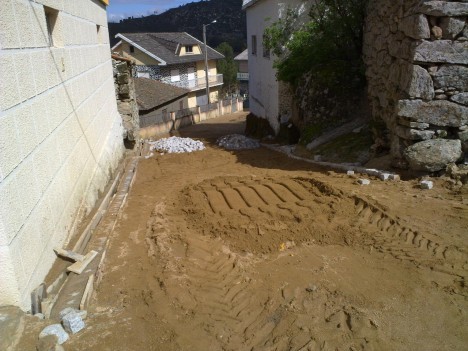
(206, 62)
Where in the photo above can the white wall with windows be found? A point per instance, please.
(263, 85)
(60, 132)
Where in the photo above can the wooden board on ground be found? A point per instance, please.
(87, 293)
(79, 267)
(69, 254)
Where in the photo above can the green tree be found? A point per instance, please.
(329, 43)
(228, 68)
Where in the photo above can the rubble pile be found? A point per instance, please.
(176, 145)
(237, 142)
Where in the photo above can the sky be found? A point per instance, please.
(120, 9)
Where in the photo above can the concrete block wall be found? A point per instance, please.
(60, 132)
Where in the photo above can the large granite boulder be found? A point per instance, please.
(433, 155)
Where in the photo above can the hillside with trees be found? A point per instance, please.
(230, 26)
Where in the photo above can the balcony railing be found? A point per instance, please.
(242, 76)
(199, 83)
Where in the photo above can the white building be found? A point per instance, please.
(60, 132)
(269, 98)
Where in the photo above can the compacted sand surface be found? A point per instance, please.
(250, 250)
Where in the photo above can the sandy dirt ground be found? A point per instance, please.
(250, 250)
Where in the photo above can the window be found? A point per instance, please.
(189, 49)
(132, 48)
(53, 32)
(266, 51)
(175, 76)
(254, 45)
(181, 105)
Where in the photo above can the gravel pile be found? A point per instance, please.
(237, 142)
(176, 145)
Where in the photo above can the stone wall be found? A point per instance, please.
(416, 54)
(126, 97)
(60, 132)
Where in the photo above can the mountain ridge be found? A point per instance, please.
(230, 26)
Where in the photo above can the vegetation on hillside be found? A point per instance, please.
(230, 26)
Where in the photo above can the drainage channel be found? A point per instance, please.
(78, 288)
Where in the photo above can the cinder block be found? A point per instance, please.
(10, 154)
(26, 28)
(9, 37)
(42, 168)
(8, 85)
(17, 264)
(39, 25)
(24, 75)
(3, 234)
(31, 246)
(53, 69)
(40, 71)
(28, 190)
(9, 291)
(26, 129)
(41, 120)
(55, 4)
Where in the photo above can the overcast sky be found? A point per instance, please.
(119, 9)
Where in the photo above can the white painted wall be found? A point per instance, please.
(60, 133)
(263, 86)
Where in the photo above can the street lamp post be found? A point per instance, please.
(206, 62)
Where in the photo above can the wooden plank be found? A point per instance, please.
(69, 254)
(87, 293)
(79, 267)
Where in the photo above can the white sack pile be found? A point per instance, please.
(176, 145)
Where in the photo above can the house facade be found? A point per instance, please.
(60, 132)
(242, 61)
(268, 98)
(173, 58)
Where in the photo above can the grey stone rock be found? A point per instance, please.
(47, 343)
(460, 99)
(122, 78)
(441, 51)
(451, 27)
(73, 323)
(415, 26)
(426, 184)
(417, 82)
(125, 108)
(413, 134)
(444, 8)
(364, 181)
(384, 176)
(433, 155)
(454, 76)
(441, 97)
(121, 67)
(439, 113)
(411, 124)
(437, 32)
(463, 135)
(57, 330)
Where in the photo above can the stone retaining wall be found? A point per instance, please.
(416, 54)
(126, 97)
